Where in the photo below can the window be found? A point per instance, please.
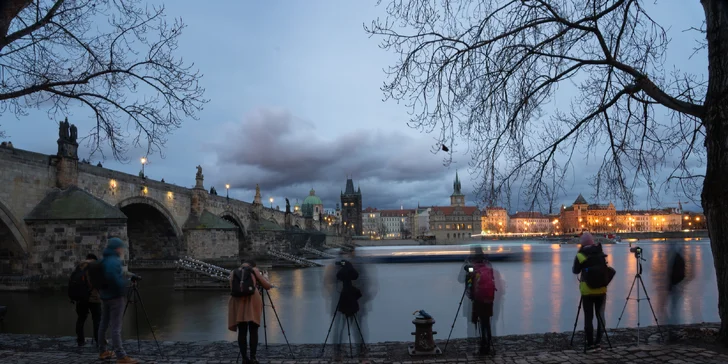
(447, 226)
(470, 227)
(448, 235)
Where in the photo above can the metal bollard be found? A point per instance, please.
(424, 342)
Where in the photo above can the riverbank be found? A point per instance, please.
(696, 344)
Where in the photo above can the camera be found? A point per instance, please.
(636, 250)
(135, 278)
(343, 262)
(468, 268)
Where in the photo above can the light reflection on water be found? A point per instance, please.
(541, 296)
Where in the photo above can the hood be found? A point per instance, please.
(110, 252)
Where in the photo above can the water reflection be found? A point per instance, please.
(541, 284)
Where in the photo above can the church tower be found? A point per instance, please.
(351, 209)
(457, 198)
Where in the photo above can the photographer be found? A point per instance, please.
(113, 294)
(480, 287)
(591, 257)
(348, 299)
(245, 307)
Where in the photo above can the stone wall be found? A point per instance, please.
(57, 246)
(12, 257)
(25, 179)
(209, 245)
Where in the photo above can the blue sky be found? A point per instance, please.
(295, 104)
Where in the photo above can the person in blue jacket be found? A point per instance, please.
(113, 296)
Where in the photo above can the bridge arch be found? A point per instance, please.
(13, 242)
(243, 241)
(15, 226)
(152, 230)
(235, 220)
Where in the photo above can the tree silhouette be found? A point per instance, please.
(115, 58)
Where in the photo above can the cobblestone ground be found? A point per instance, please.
(523, 349)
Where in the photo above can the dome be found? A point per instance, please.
(312, 199)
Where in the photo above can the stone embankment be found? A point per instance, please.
(696, 344)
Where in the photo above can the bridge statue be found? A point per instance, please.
(199, 178)
(63, 130)
(288, 206)
(74, 133)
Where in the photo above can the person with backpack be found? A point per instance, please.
(246, 306)
(86, 298)
(675, 282)
(483, 296)
(591, 263)
(108, 276)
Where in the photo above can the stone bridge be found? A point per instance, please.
(54, 210)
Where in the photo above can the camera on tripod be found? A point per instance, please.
(136, 278)
(637, 251)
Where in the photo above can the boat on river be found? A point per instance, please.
(442, 253)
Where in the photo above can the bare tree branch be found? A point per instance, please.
(115, 57)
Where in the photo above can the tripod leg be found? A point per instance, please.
(456, 318)
(330, 326)
(141, 303)
(348, 332)
(651, 308)
(279, 323)
(136, 324)
(576, 322)
(626, 301)
(356, 321)
(265, 325)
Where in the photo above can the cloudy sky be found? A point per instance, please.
(295, 104)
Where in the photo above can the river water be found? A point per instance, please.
(541, 295)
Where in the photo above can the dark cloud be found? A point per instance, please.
(287, 156)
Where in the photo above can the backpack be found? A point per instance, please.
(243, 285)
(678, 270)
(96, 274)
(595, 272)
(484, 283)
(78, 285)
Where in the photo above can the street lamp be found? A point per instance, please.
(144, 161)
(271, 202)
(227, 191)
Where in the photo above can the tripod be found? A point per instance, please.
(132, 297)
(476, 326)
(638, 280)
(600, 324)
(348, 328)
(265, 326)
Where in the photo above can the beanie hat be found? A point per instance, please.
(115, 243)
(586, 239)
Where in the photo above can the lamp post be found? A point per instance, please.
(271, 202)
(227, 191)
(144, 161)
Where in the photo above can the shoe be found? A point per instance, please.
(253, 360)
(126, 360)
(81, 343)
(597, 347)
(106, 355)
(589, 348)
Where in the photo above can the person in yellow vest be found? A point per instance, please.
(593, 299)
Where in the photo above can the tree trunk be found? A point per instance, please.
(715, 186)
(9, 9)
